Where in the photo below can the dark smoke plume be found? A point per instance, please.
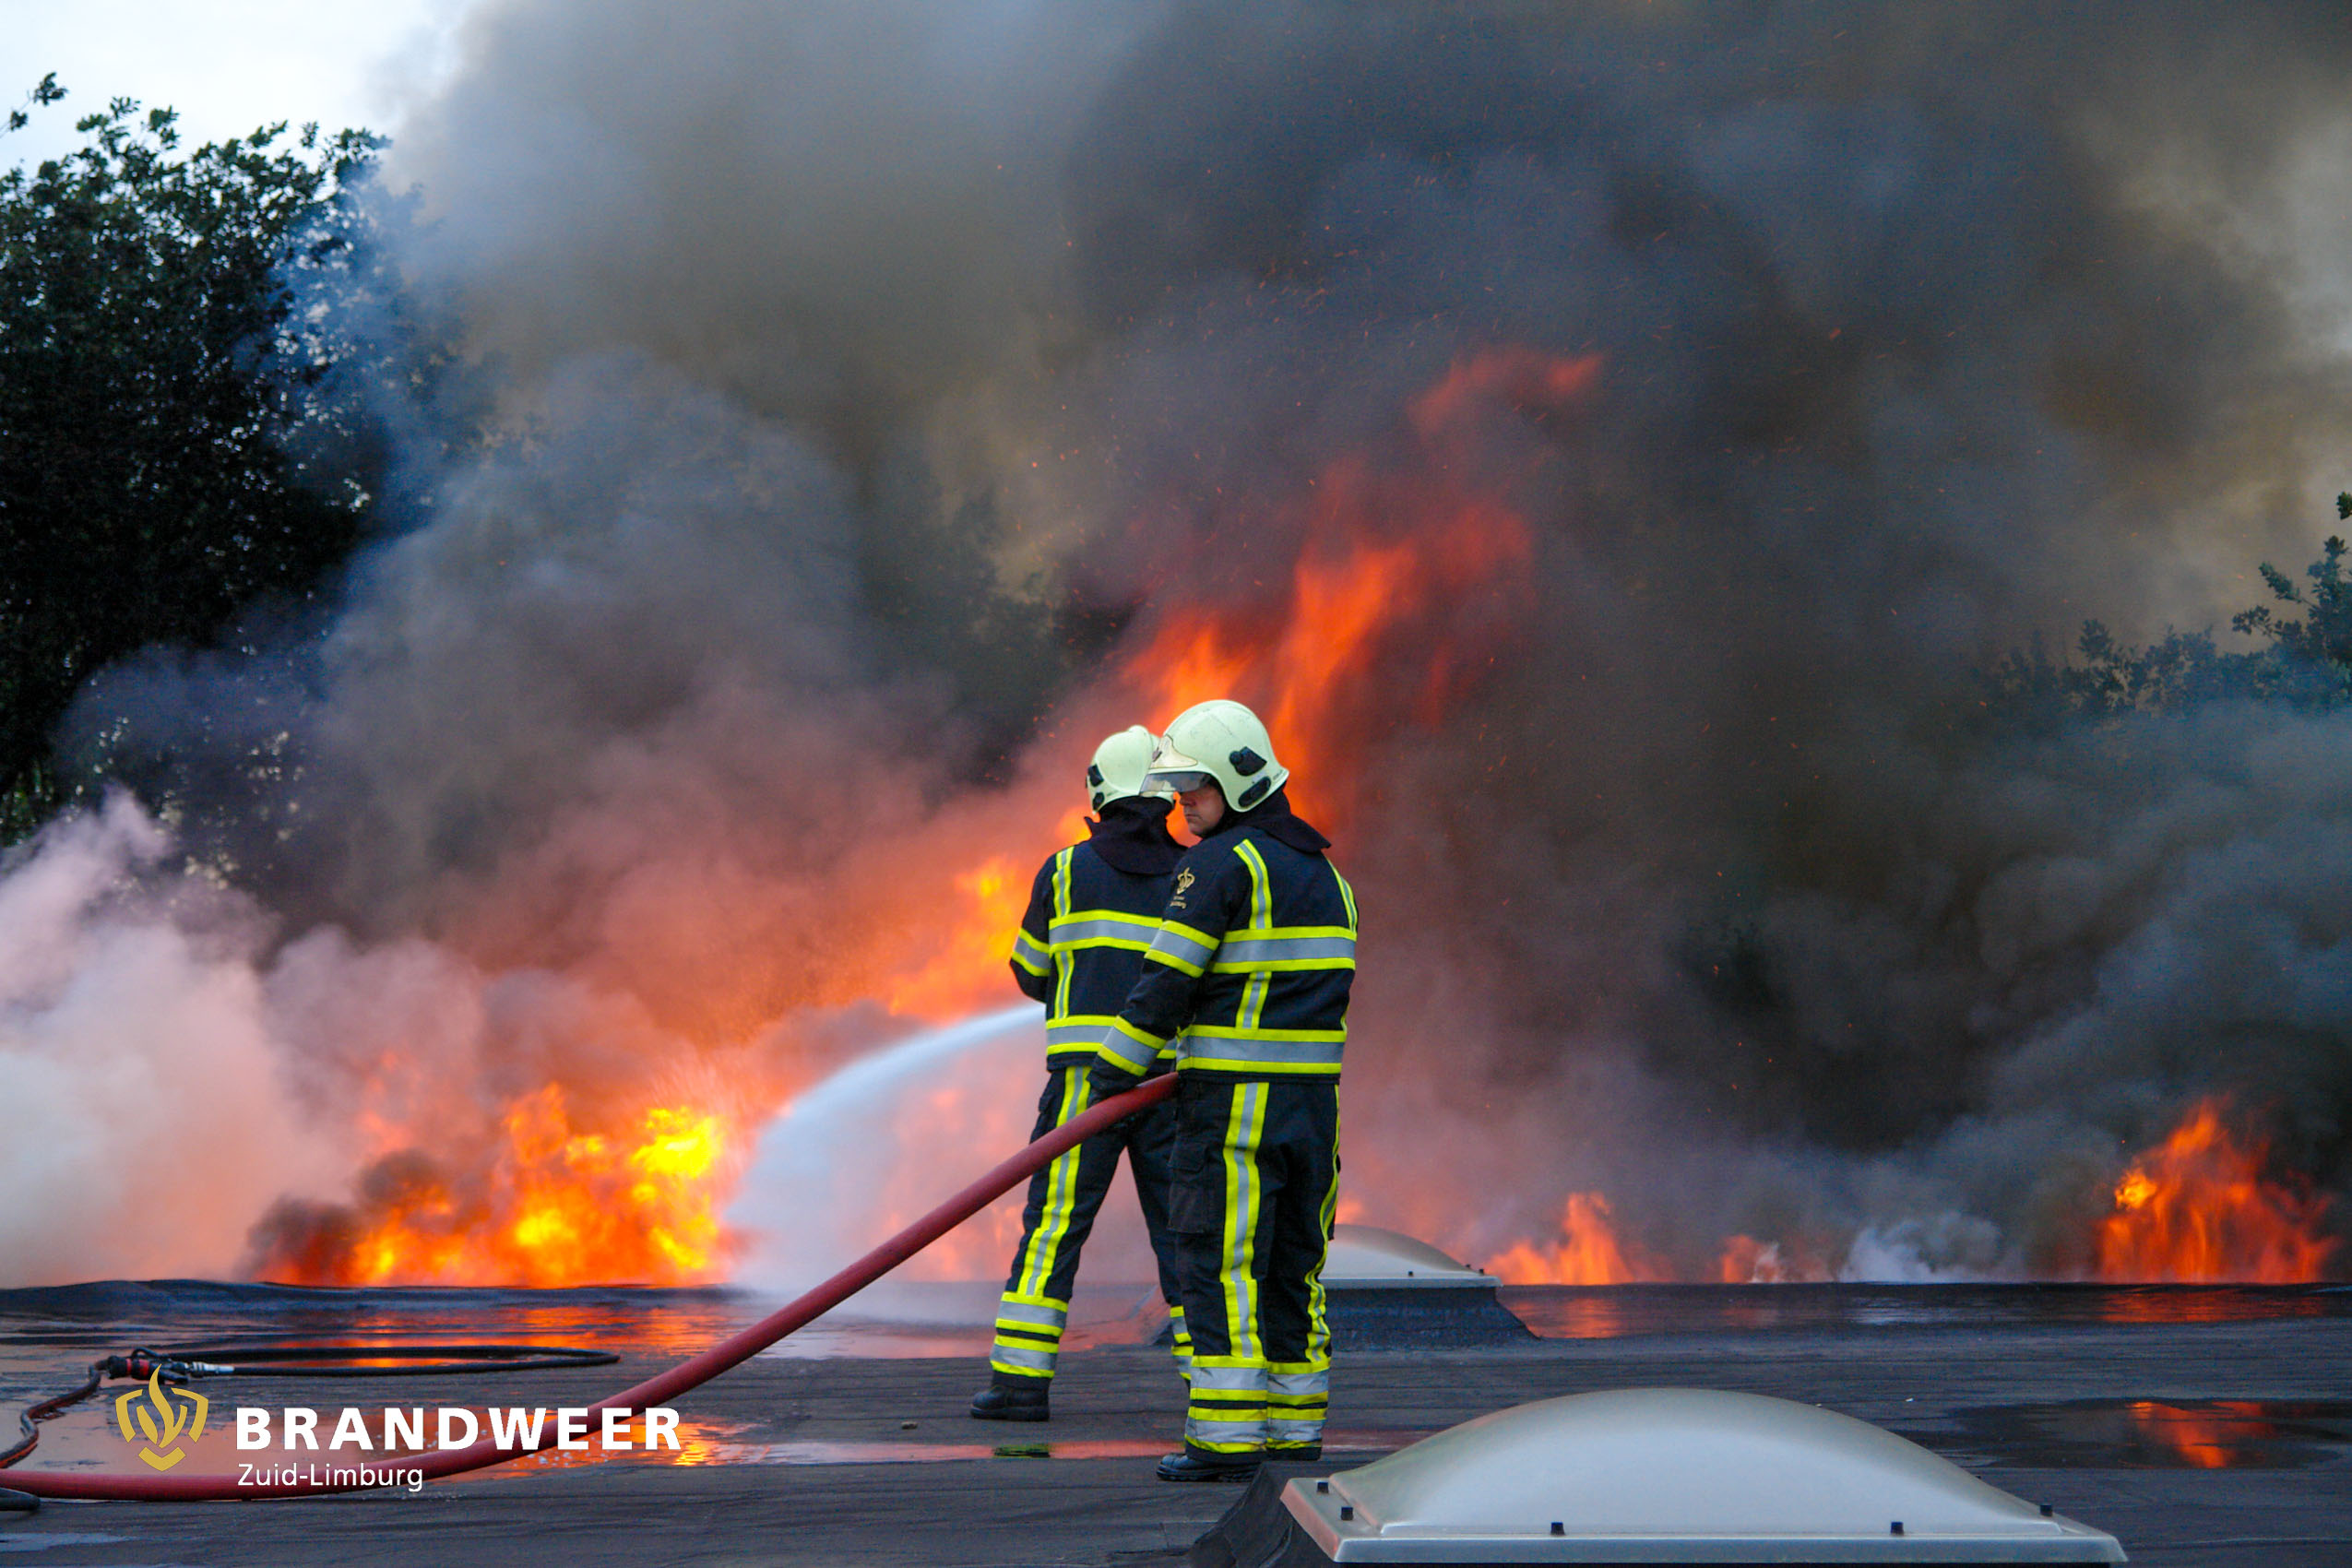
(879, 372)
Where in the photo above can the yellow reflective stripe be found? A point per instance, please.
(1015, 1337)
(1242, 1049)
(1075, 1033)
(1061, 911)
(1252, 1013)
(1318, 1324)
(1257, 1067)
(1197, 1434)
(1141, 1037)
(1060, 1193)
(1276, 1055)
(1036, 960)
(1290, 931)
(1220, 1031)
(1261, 885)
(1347, 895)
(1122, 1029)
(1226, 1407)
(1244, 1130)
(1032, 1314)
(1298, 1396)
(1307, 948)
(1124, 1064)
(1103, 928)
(1181, 947)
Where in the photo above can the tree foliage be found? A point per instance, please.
(174, 443)
(2306, 661)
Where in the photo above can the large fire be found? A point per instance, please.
(2199, 1209)
(1404, 590)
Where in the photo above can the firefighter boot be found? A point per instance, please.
(1005, 1401)
(1187, 1466)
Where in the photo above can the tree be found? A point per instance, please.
(159, 392)
(2323, 638)
(2308, 662)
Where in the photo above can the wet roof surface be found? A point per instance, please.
(2202, 1427)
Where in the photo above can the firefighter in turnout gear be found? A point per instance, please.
(1247, 978)
(1093, 909)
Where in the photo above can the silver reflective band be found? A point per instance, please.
(1022, 1357)
(1174, 944)
(1207, 1432)
(1229, 1379)
(1074, 1036)
(1023, 1312)
(1262, 949)
(1201, 1044)
(1138, 930)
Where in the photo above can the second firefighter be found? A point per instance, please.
(1093, 911)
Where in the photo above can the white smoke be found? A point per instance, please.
(146, 1118)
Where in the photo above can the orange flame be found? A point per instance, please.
(2199, 1210)
(563, 1206)
(1353, 598)
(1588, 1253)
(994, 892)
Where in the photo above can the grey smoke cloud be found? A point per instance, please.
(871, 365)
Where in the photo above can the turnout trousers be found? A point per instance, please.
(1256, 1177)
(1060, 1215)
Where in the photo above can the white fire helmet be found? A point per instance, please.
(1223, 741)
(1117, 771)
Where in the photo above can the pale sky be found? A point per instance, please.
(228, 65)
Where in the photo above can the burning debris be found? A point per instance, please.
(1604, 444)
(558, 1207)
(2200, 1208)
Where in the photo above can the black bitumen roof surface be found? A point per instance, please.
(2218, 1444)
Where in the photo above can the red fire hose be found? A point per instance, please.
(654, 1391)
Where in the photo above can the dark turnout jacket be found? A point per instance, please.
(1247, 976)
(1094, 908)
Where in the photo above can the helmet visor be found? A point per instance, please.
(1178, 779)
(1171, 770)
